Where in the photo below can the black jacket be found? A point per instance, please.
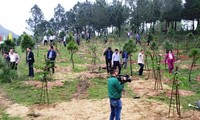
(30, 58)
(108, 54)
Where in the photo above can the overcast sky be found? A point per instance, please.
(14, 13)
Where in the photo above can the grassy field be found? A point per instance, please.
(25, 94)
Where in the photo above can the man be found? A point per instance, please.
(116, 60)
(12, 58)
(51, 55)
(17, 58)
(141, 62)
(6, 56)
(124, 58)
(108, 56)
(114, 92)
(137, 37)
(30, 61)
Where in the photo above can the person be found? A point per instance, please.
(169, 59)
(30, 61)
(12, 58)
(45, 40)
(124, 58)
(51, 55)
(6, 57)
(115, 89)
(137, 37)
(116, 60)
(108, 57)
(141, 62)
(17, 58)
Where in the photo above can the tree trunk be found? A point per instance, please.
(175, 26)
(193, 62)
(119, 28)
(72, 59)
(193, 26)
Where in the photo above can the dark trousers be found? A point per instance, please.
(141, 68)
(117, 64)
(108, 65)
(52, 66)
(138, 41)
(45, 42)
(31, 71)
(12, 65)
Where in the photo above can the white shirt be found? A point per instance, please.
(12, 57)
(115, 57)
(141, 58)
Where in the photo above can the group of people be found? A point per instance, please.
(115, 87)
(12, 58)
(113, 59)
(49, 39)
(51, 56)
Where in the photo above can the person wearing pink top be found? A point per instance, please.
(169, 59)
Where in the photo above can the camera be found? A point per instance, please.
(124, 78)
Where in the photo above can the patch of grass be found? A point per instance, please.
(4, 116)
(98, 89)
(29, 95)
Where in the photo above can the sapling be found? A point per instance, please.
(195, 55)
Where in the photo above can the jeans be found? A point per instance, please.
(125, 62)
(116, 107)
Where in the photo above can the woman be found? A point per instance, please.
(169, 59)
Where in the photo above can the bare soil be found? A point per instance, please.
(82, 109)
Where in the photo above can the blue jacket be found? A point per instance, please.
(53, 55)
(125, 55)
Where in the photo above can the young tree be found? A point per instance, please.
(72, 47)
(26, 42)
(130, 47)
(195, 55)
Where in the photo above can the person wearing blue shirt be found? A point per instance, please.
(108, 56)
(124, 58)
(51, 55)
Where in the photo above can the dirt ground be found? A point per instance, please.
(82, 109)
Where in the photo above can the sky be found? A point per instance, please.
(14, 13)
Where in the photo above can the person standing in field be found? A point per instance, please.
(141, 62)
(30, 61)
(51, 55)
(115, 89)
(108, 57)
(170, 59)
(116, 60)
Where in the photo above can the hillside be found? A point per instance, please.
(4, 31)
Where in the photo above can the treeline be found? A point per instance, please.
(132, 15)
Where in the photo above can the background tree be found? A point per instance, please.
(27, 41)
(59, 18)
(7, 45)
(118, 15)
(36, 19)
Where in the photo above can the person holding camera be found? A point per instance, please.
(115, 88)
